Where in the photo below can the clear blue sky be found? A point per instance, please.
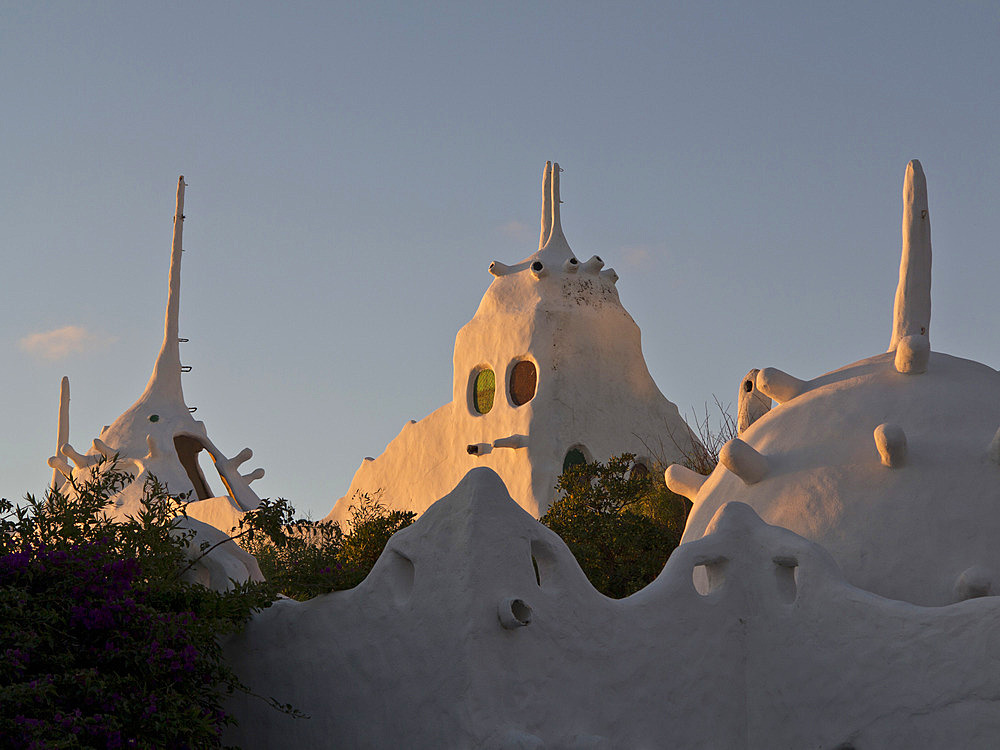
(354, 168)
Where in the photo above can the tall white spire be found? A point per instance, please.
(911, 314)
(546, 205)
(551, 221)
(166, 377)
(62, 430)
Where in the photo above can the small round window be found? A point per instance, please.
(523, 379)
(483, 390)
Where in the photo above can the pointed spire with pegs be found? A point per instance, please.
(552, 232)
(166, 377)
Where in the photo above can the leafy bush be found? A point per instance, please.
(621, 526)
(302, 559)
(102, 643)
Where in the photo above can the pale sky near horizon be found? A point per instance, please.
(353, 168)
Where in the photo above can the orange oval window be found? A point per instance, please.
(523, 379)
(484, 388)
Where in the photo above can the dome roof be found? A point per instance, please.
(908, 531)
(888, 463)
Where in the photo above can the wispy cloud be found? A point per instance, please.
(637, 256)
(519, 231)
(64, 342)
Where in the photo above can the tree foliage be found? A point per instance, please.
(302, 559)
(621, 525)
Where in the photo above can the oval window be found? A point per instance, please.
(523, 379)
(574, 457)
(483, 390)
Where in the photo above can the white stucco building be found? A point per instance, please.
(477, 628)
(159, 436)
(548, 372)
(890, 463)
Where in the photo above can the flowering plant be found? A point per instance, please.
(102, 644)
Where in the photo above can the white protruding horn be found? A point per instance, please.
(609, 273)
(682, 481)
(890, 440)
(744, 461)
(572, 265)
(101, 447)
(81, 461)
(61, 466)
(254, 475)
(511, 441)
(499, 269)
(242, 457)
(779, 385)
(594, 265)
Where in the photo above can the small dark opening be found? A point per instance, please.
(748, 385)
(536, 266)
(521, 611)
(574, 457)
(573, 261)
(187, 453)
(542, 559)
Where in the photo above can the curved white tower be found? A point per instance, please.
(158, 435)
(549, 371)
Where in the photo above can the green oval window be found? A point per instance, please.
(574, 457)
(484, 388)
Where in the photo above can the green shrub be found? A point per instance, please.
(302, 559)
(620, 527)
